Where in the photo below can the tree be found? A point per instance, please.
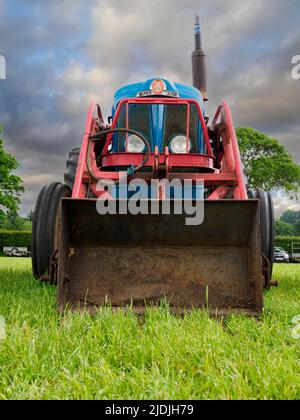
(297, 228)
(267, 162)
(290, 217)
(11, 186)
(30, 216)
(288, 224)
(12, 221)
(284, 229)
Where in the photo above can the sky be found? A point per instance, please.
(62, 54)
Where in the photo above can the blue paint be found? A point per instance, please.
(197, 29)
(188, 193)
(132, 90)
(158, 114)
(155, 132)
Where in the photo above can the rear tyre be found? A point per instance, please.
(45, 224)
(267, 224)
(71, 165)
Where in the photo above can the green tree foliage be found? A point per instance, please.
(30, 216)
(289, 224)
(291, 217)
(12, 221)
(297, 228)
(284, 229)
(11, 186)
(267, 162)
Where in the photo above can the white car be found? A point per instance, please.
(281, 256)
(16, 252)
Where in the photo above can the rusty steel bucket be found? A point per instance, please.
(126, 260)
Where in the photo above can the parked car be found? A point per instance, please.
(281, 256)
(16, 252)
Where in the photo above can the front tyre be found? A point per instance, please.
(45, 227)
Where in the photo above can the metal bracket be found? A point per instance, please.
(53, 271)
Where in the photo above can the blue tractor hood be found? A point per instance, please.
(133, 90)
(149, 89)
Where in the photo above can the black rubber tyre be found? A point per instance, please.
(71, 165)
(267, 223)
(44, 226)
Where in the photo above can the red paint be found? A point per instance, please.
(162, 101)
(158, 87)
(79, 190)
(127, 126)
(188, 160)
(232, 157)
(229, 177)
(188, 116)
(242, 191)
(219, 193)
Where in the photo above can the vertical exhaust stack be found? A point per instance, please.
(199, 63)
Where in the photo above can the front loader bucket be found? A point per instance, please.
(126, 260)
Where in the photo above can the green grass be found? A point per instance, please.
(116, 356)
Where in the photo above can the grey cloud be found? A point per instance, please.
(282, 203)
(68, 53)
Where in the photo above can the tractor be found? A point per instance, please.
(158, 133)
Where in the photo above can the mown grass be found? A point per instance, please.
(116, 356)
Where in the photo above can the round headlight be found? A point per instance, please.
(178, 145)
(135, 144)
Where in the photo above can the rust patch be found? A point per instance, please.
(142, 260)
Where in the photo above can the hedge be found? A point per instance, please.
(285, 242)
(23, 239)
(15, 238)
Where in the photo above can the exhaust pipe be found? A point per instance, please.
(199, 63)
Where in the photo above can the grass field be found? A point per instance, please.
(113, 356)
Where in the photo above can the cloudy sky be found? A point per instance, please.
(61, 54)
